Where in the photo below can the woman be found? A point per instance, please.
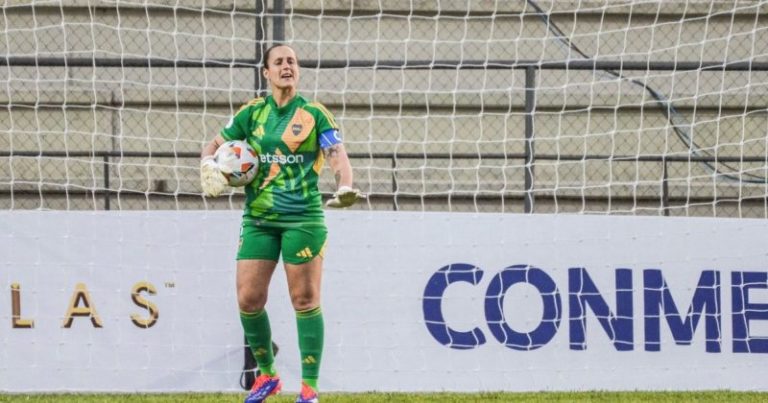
(283, 213)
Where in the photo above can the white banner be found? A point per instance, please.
(145, 301)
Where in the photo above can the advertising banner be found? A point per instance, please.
(145, 301)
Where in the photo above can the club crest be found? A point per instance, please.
(296, 129)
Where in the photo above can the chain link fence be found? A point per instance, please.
(432, 103)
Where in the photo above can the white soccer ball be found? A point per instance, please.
(238, 161)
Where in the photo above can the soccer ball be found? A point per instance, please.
(238, 161)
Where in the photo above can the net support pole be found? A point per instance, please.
(260, 37)
(394, 183)
(530, 102)
(278, 24)
(107, 195)
(664, 188)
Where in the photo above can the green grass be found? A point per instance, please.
(670, 397)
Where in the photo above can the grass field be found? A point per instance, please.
(670, 397)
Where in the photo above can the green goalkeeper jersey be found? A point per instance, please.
(286, 139)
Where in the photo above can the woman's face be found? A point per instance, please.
(282, 69)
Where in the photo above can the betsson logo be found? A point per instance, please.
(583, 296)
(281, 159)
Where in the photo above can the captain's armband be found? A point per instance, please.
(330, 138)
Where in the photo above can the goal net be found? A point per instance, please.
(606, 107)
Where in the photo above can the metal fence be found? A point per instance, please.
(526, 188)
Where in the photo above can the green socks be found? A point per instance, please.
(259, 336)
(310, 327)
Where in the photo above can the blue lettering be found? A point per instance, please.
(584, 296)
(583, 293)
(433, 312)
(745, 311)
(494, 311)
(658, 300)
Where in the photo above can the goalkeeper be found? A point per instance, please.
(283, 213)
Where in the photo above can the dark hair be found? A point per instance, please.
(265, 63)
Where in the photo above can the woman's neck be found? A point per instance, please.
(283, 96)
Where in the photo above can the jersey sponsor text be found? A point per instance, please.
(281, 159)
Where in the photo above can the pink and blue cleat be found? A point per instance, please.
(307, 395)
(263, 387)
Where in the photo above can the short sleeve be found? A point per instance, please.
(324, 120)
(237, 127)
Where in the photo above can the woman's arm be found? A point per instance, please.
(210, 148)
(338, 161)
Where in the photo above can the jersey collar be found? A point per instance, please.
(285, 108)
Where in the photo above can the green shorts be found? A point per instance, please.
(297, 244)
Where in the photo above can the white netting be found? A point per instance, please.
(430, 95)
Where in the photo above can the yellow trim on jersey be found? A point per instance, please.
(319, 162)
(252, 102)
(255, 101)
(328, 115)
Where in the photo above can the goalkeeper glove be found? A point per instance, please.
(212, 179)
(345, 196)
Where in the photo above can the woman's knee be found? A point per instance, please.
(305, 299)
(250, 300)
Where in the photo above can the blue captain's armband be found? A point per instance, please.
(329, 138)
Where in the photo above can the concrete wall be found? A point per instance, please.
(474, 115)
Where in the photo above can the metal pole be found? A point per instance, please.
(107, 196)
(278, 26)
(260, 36)
(382, 64)
(664, 188)
(530, 102)
(394, 183)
